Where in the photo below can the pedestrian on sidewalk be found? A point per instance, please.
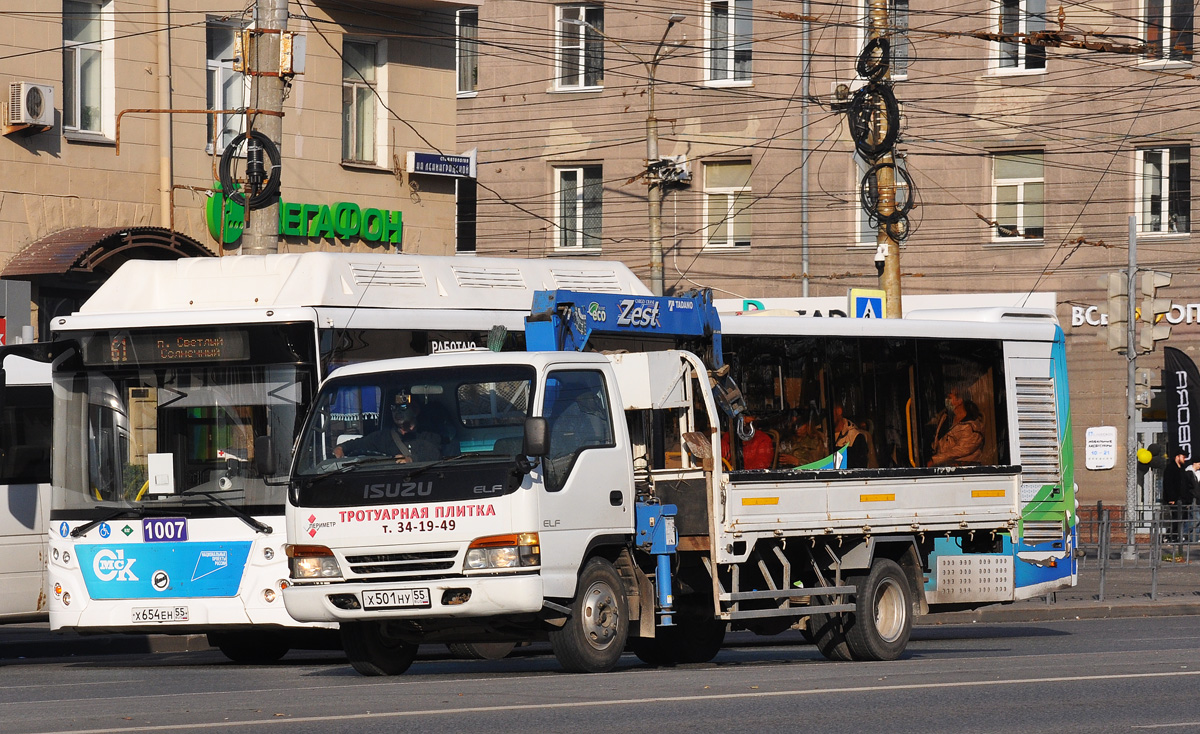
(1174, 490)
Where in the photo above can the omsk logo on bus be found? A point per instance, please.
(178, 570)
(110, 566)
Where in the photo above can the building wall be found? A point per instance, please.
(1088, 112)
(54, 181)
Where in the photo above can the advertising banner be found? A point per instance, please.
(1182, 385)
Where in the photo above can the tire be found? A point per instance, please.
(593, 637)
(371, 652)
(829, 635)
(882, 621)
(691, 640)
(250, 648)
(480, 650)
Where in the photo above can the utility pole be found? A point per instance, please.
(261, 236)
(1131, 346)
(889, 279)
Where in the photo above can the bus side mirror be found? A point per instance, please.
(264, 456)
(537, 437)
(3, 386)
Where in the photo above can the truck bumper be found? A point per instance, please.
(485, 597)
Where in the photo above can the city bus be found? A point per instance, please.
(179, 388)
(25, 434)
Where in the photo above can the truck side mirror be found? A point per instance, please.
(537, 437)
(264, 456)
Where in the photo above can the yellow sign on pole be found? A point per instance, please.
(867, 303)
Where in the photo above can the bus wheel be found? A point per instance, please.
(698, 639)
(828, 634)
(250, 648)
(372, 652)
(480, 650)
(593, 637)
(882, 620)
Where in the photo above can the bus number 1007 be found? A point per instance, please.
(164, 529)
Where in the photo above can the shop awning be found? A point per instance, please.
(99, 251)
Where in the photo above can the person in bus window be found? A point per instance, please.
(847, 434)
(400, 434)
(958, 439)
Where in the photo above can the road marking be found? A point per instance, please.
(1191, 725)
(286, 720)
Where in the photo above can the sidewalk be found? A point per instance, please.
(1126, 594)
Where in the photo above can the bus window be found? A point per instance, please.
(25, 434)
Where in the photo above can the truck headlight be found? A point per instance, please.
(309, 562)
(504, 551)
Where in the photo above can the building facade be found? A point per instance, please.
(105, 174)
(1029, 137)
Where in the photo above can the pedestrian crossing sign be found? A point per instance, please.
(866, 303)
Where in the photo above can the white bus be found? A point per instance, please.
(25, 433)
(176, 414)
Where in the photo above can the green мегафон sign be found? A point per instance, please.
(343, 221)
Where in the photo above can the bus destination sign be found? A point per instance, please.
(149, 348)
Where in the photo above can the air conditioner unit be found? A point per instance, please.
(30, 104)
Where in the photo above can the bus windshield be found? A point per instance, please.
(177, 421)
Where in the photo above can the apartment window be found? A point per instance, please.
(580, 49)
(1168, 25)
(358, 101)
(1018, 195)
(468, 51)
(1164, 192)
(578, 207)
(727, 204)
(899, 37)
(729, 40)
(83, 62)
(226, 87)
(1020, 17)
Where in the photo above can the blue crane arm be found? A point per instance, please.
(565, 320)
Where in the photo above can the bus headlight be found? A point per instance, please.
(504, 551)
(312, 562)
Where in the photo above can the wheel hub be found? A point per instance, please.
(600, 616)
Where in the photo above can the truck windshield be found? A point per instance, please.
(463, 415)
(168, 421)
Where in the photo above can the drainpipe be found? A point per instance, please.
(166, 163)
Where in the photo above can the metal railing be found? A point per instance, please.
(1150, 537)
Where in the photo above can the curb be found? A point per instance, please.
(49, 644)
(1063, 611)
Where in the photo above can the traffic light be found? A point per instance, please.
(1152, 309)
(1118, 312)
(1142, 394)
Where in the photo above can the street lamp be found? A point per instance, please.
(654, 196)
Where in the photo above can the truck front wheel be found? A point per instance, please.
(372, 652)
(882, 620)
(593, 638)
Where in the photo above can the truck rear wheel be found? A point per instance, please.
(829, 635)
(593, 637)
(372, 652)
(882, 620)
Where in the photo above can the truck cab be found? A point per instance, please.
(483, 538)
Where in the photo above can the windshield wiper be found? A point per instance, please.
(237, 512)
(123, 511)
(419, 470)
